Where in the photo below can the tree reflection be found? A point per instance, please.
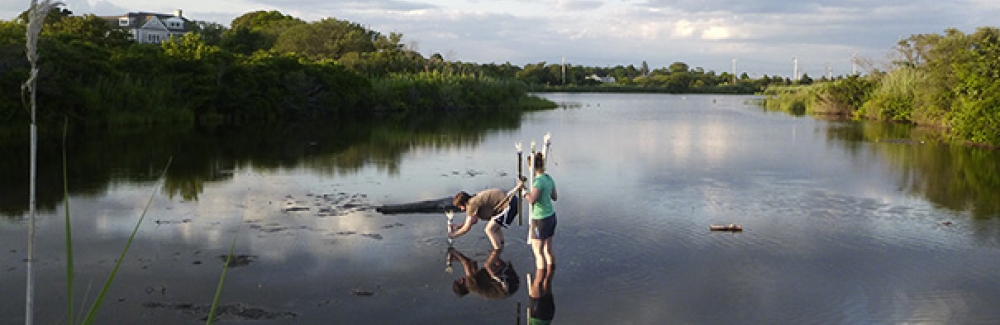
(203, 155)
(957, 177)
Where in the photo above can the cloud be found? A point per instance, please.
(762, 34)
(578, 5)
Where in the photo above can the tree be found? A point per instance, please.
(90, 28)
(976, 116)
(211, 33)
(264, 20)
(327, 39)
(256, 31)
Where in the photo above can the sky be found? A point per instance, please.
(757, 37)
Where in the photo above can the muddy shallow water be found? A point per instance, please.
(837, 226)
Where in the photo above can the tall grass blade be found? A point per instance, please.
(69, 232)
(92, 313)
(225, 269)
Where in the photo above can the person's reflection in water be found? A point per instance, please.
(496, 280)
(543, 306)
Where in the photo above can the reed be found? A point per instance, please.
(435, 90)
(893, 98)
(222, 278)
(36, 19)
(92, 312)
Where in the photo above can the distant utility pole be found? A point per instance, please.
(734, 71)
(564, 70)
(854, 63)
(795, 72)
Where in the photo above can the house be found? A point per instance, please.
(608, 79)
(152, 28)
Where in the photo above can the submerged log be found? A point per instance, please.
(729, 227)
(430, 206)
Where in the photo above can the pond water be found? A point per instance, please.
(843, 222)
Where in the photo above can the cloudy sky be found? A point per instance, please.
(762, 36)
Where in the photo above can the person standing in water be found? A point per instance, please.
(543, 215)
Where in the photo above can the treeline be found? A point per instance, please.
(267, 66)
(948, 81)
(678, 78)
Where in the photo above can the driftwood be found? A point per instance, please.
(430, 206)
(729, 227)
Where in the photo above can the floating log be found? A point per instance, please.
(430, 206)
(729, 227)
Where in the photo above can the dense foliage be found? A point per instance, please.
(947, 81)
(269, 66)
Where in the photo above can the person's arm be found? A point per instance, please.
(464, 228)
(555, 196)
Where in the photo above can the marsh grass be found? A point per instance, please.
(92, 312)
(431, 91)
(222, 278)
(70, 274)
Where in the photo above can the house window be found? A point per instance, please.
(123, 21)
(175, 24)
(153, 38)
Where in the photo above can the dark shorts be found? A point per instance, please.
(506, 219)
(543, 228)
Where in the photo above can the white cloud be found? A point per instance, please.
(715, 33)
(762, 34)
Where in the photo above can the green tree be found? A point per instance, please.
(89, 28)
(211, 33)
(977, 113)
(327, 39)
(256, 31)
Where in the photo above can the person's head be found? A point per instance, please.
(461, 200)
(460, 287)
(538, 162)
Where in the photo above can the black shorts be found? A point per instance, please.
(505, 219)
(543, 228)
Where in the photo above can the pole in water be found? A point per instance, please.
(531, 182)
(520, 175)
(451, 215)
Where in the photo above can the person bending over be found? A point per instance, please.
(492, 205)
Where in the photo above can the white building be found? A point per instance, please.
(152, 28)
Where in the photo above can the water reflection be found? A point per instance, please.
(100, 160)
(542, 308)
(496, 279)
(957, 177)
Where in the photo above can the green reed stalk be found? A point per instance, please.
(69, 233)
(92, 313)
(222, 278)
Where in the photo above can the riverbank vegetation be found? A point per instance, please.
(947, 82)
(268, 65)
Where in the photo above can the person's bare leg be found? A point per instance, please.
(536, 288)
(494, 233)
(536, 249)
(550, 258)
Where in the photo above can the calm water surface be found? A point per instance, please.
(844, 222)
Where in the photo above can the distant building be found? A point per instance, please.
(152, 28)
(608, 79)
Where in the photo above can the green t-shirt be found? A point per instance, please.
(542, 208)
